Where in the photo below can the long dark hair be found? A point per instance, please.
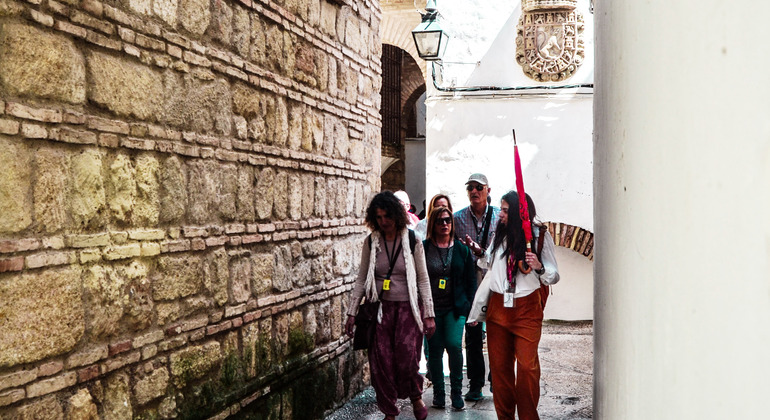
(387, 201)
(511, 234)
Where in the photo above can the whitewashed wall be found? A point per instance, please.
(471, 132)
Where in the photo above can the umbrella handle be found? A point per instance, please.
(524, 267)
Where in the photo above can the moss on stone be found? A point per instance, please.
(300, 342)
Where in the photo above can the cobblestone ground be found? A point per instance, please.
(566, 357)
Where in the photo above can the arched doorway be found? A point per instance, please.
(403, 87)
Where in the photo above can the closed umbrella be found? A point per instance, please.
(526, 224)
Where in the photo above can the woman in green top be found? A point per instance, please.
(453, 284)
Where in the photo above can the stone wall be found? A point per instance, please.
(182, 185)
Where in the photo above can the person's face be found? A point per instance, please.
(503, 212)
(477, 193)
(406, 207)
(441, 202)
(443, 225)
(385, 222)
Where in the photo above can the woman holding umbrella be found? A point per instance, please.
(515, 309)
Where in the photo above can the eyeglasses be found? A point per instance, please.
(444, 220)
(478, 187)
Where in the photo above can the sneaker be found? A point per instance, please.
(439, 401)
(457, 402)
(474, 395)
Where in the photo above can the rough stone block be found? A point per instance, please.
(124, 87)
(280, 195)
(329, 18)
(217, 275)
(221, 27)
(240, 279)
(241, 31)
(52, 295)
(166, 10)
(194, 362)
(194, 15)
(121, 188)
(264, 195)
(146, 210)
(44, 408)
(172, 190)
(151, 386)
(295, 196)
(86, 196)
(227, 187)
(40, 64)
(176, 276)
(81, 406)
(245, 194)
(117, 398)
(15, 185)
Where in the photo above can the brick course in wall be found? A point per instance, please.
(181, 203)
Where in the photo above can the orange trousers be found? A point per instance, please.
(513, 335)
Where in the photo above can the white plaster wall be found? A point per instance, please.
(572, 297)
(554, 138)
(682, 181)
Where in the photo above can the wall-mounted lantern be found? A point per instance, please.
(429, 38)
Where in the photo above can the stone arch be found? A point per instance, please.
(396, 29)
(573, 237)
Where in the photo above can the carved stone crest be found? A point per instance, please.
(549, 44)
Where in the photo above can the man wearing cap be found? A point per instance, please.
(475, 226)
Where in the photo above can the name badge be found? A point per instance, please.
(442, 283)
(508, 300)
(386, 284)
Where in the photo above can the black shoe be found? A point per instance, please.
(474, 395)
(439, 401)
(457, 402)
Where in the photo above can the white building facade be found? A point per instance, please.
(479, 93)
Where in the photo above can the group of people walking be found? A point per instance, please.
(471, 265)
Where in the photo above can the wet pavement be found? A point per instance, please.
(566, 383)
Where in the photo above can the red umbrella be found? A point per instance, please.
(526, 224)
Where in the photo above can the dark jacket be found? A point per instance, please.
(463, 276)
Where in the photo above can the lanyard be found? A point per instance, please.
(391, 259)
(443, 257)
(476, 224)
(511, 270)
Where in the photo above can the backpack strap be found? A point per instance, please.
(545, 290)
(485, 233)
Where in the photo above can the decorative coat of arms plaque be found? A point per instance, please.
(549, 43)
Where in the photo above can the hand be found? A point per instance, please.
(350, 325)
(429, 326)
(475, 248)
(532, 261)
(473, 324)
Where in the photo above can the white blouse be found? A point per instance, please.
(525, 283)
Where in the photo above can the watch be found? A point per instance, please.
(541, 271)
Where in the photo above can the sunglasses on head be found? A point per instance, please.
(444, 220)
(478, 187)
